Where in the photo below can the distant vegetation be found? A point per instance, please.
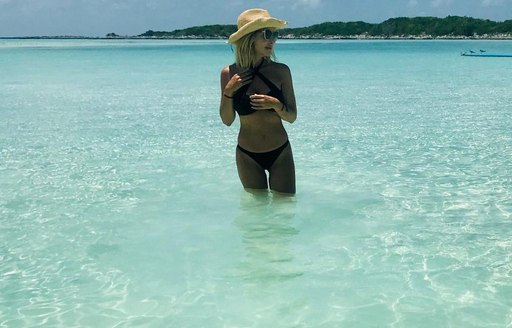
(451, 26)
(418, 26)
(209, 31)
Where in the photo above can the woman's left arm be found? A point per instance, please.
(288, 110)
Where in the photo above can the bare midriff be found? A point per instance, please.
(261, 131)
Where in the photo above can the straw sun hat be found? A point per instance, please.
(252, 20)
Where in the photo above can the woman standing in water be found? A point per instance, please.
(260, 90)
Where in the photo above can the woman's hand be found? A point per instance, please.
(236, 82)
(260, 102)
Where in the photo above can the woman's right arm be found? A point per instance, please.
(228, 87)
(227, 112)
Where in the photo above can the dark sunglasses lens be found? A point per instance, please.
(269, 35)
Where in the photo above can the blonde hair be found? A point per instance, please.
(244, 54)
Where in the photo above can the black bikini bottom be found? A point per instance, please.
(265, 160)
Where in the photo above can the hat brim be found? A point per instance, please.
(255, 25)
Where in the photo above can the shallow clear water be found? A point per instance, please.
(120, 203)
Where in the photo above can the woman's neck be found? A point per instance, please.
(258, 61)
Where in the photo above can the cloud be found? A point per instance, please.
(299, 6)
(311, 3)
(491, 3)
(412, 3)
(440, 3)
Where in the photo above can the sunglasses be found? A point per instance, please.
(269, 35)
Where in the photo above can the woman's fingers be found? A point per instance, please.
(242, 79)
(238, 81)
(245, 74)
(261, 102)
(245, 80)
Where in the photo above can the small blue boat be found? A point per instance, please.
(483, 53)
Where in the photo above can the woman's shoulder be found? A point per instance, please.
(230, 69)
(227, 70)
(280, 67)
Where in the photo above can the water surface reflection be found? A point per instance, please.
(266, 222)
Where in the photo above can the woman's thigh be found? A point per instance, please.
(282, 173)
(251, 174)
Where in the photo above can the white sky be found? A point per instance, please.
(133, 17)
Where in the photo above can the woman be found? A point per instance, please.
(261, 92)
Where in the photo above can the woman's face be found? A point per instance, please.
(264, 42)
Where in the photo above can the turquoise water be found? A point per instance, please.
(120, 204)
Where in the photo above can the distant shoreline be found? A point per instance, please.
(284, 37)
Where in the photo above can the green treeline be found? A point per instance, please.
(449, 26)
(209, 31)
(402, 26)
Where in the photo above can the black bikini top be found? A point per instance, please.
(241, 100)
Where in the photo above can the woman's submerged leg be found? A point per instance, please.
(282, 173)
(251, 174)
